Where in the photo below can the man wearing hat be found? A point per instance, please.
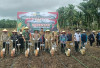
(98, 38)
(47, 40)
(63, 39)
(36, 37)
(14, 38)
(83, 39)
(77, 39)
(5, 39)
(26, 36)
(91, 38)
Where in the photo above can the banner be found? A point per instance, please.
(37, 20)
(47, 15)
(37, 24)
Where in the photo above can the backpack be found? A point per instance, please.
(84, 37)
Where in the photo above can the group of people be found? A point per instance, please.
(46, 40)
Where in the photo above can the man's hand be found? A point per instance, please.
(24, 40)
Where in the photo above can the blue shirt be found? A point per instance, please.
(63, 38)
(84, 38)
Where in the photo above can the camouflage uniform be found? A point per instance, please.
(26, 36)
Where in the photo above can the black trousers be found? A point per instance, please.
(98, 42)
(6, 46)
(77, 46)
(21, 46)
(91, 43)
(63, 47)
(37, 44)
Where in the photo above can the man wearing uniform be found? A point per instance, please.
(26, 37)
(47, 40)
(53, 39)
(5, 39)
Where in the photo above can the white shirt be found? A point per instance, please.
(77, 37)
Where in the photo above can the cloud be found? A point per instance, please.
(9, 8)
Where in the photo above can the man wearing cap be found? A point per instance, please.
(91, 38)
(26, 36)
(5, 39)
(77, 39)
(63, 39)
(36, 39)
(83, 39)
(14, 39)
(47, 40)
(21, 42)
(98, 38)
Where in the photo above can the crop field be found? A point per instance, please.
(90, 60)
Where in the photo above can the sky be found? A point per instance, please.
(9, 8)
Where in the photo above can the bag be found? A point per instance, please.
(83, 37)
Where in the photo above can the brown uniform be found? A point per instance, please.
(47, 40)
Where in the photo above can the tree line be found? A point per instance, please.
(88, 17)
(8, 23)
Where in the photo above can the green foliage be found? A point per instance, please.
(8, 23)
(70, 17)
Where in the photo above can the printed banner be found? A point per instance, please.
(37, 24)
(37, 20)
(48, 15)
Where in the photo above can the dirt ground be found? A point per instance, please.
(59, 60)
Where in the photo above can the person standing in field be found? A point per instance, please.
(98, 39)
(83, 39)
(47, 40)
(21, 42)
(14, 39)
(5, 39)
(91, 38)
(63, 39)
(77, 39)
(36, 39)
(26, 37)
(42, 40)
(69, 40)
